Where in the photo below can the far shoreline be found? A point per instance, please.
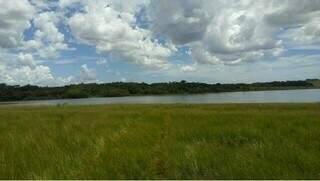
(196, 98)
(159, 95)
(14, 93)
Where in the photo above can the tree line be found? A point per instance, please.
(118, 89)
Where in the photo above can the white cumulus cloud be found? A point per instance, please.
(114, 32)
(39, 75)
(15, 16)
(188, 68)
(26, 59)
(48, 41)
(233, 31)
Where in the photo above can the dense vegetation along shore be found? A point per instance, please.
(235, 141)
(117, 89)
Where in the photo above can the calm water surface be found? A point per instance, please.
(281, 96)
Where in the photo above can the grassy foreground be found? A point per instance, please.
(240, 141)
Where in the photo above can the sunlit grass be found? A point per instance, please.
(239, 141)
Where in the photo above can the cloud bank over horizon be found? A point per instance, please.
(51, 42)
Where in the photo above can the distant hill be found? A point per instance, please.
(314, 82)
(118, 89)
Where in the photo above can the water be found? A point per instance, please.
(279, 96)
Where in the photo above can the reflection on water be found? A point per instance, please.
(281, 96)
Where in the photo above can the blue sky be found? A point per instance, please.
(52, 43)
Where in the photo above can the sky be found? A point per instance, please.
(61, 42)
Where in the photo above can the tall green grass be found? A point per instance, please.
(240, 141)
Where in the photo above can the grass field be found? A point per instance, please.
(236, 141)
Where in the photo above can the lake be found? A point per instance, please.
(278, 96)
